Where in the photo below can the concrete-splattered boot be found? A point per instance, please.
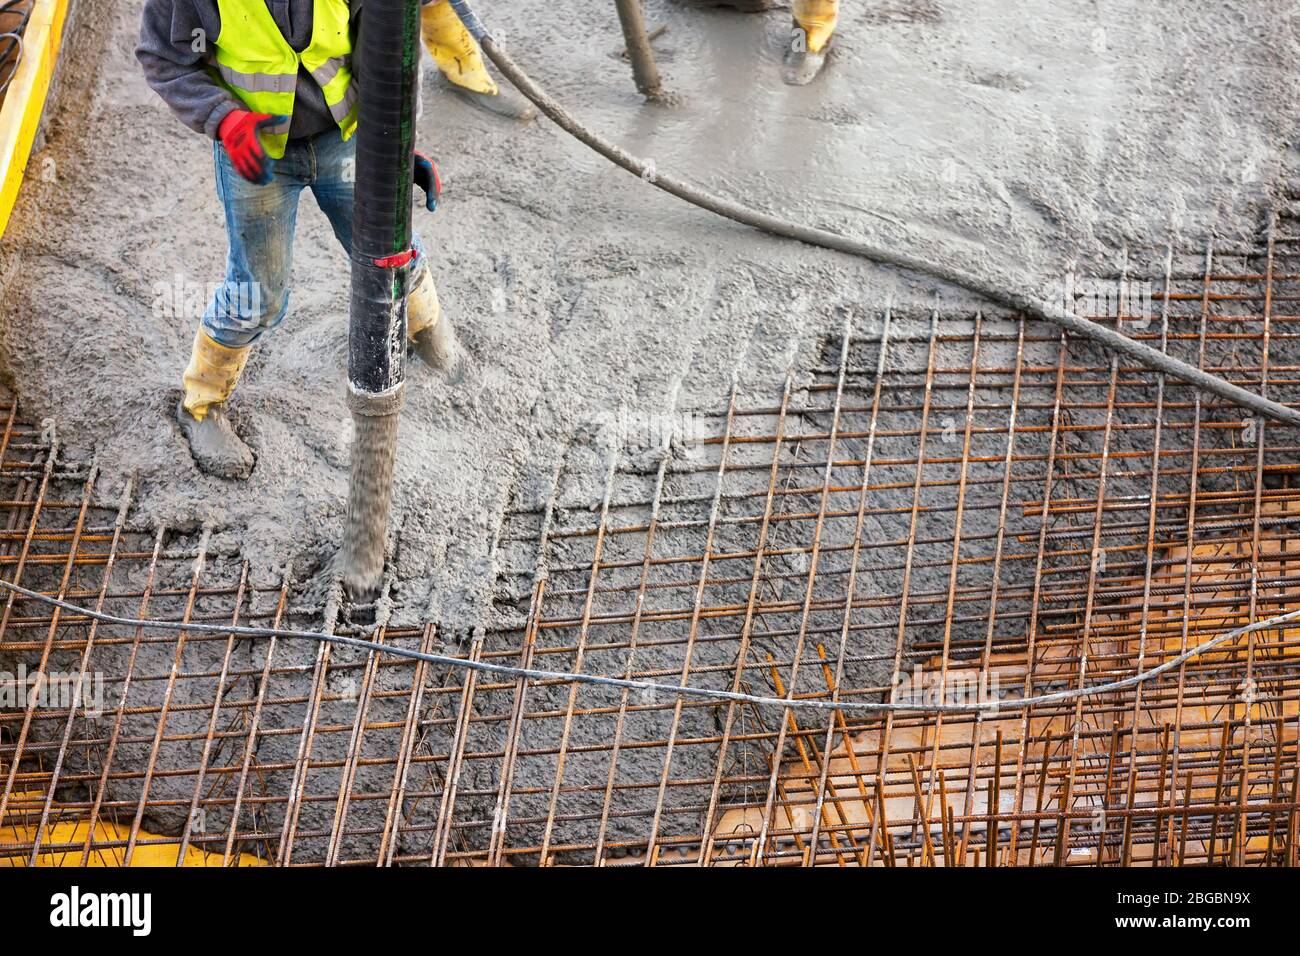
(814, 25)
(461, 61)
(433, 338)
(209, 379)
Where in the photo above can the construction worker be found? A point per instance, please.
(459, 58)
(810, 36)
(272, 82)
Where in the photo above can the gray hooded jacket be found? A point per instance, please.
(177, 41)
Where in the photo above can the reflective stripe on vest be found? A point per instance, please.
(259, 82)
(257, 64)
(346, 107)
(324, 75)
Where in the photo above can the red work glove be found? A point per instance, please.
(238, 134)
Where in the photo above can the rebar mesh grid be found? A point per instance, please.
(947, 509)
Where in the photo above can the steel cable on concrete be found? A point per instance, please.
(1040, 309)
(505, 670)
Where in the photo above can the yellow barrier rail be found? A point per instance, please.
(25, 100)
(65, 838)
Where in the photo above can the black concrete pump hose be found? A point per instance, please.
(381, 263)
(1047, 311)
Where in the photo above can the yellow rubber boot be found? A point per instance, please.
(461, 61)
(431, 332)
(818, 19)
(423, 310)
(814, 22)
(211, 376)
(209, 379)
(453, 49)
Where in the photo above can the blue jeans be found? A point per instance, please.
(260, 224)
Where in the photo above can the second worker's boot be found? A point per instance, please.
(433, 338)
(461, 61)
(814, 26)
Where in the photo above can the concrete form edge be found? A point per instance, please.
(25, 101)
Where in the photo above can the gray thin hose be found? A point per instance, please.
(1047, 311)
(504, 670)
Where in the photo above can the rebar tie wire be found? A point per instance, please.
(679, 690)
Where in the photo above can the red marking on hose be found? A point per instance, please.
(396, 261)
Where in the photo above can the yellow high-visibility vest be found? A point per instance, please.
(256, 63)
